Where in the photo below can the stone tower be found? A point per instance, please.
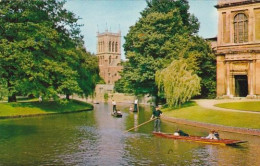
(238, 48)
(109, 55)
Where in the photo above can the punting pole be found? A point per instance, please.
(140, 125)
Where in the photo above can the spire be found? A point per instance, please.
(119, 29)
(97, 29)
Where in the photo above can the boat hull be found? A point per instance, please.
(200, 139)
(117, 115)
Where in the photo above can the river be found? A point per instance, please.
(97, 138)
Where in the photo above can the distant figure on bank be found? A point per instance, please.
(136, 105)
(40, 98)
(213, 135)
(114, 106)
(179, 132)
(157, 122)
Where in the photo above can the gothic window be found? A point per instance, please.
(103, 46)
(109, 59)
(109, 47)
(116, 47)
(113, 47)
(240, 28)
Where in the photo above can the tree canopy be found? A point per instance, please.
(165, 32)
(41, 49)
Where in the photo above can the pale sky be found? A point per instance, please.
(99, 15)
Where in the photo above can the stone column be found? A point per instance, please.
(228, 78)
(220, 30)
(250, 81)
(251, 25)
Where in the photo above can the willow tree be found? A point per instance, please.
(178, 83)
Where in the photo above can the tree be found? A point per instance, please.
(38, 48)
(88, 71)
(177, 83)
(165, 32)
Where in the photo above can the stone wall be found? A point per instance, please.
(102, 89)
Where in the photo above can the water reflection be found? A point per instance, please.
(97, 138)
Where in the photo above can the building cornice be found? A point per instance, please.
(238, 48)
(231, 3)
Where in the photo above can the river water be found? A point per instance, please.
(97, 138)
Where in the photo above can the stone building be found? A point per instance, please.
(238, 48)
(109, 56)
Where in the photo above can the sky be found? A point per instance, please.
(114, 15)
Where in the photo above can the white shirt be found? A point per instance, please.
(136, 101)
(113, 103)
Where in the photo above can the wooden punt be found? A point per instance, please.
(200, 139)
(117, 114)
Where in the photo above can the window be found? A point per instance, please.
(109, 46)
(113, 47)
(110, 59)
(116, 47)
(240, 28)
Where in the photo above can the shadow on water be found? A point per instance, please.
(9, 131)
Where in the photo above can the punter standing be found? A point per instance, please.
(136, 105)
(114, 106)
(157, 122)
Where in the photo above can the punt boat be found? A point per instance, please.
(200, 139)
(117, 114)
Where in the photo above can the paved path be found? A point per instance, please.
(209, 103)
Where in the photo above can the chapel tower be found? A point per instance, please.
(109, 56)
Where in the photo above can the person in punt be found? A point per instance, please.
(157, 122)
(114, 106)
(213, 135)
(179, 132)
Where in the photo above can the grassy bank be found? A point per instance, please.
(199, 114)
(244, 106)
(35, 108)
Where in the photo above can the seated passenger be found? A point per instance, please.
(179, 132)
(213, 135)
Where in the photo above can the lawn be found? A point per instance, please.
(234, 119)
(244, 106)
(33, 108)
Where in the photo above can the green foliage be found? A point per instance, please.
(106, 97)
(165, 32)
(3, 91)
(178, 83)
(41, 50)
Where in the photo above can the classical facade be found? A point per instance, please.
(238, 48)
(109, 56)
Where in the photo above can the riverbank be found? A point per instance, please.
(196, 115)
(35, 108)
